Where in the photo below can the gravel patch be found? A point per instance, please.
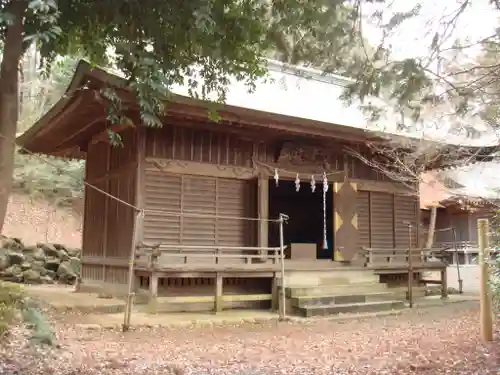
(442, 340)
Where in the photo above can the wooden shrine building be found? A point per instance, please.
(457, 215)
(196, 180)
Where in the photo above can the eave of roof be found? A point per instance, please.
(241, 106)
(85, 73)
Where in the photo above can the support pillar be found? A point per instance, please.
(219, 282)
(444, 283)
(275, 293)
(345, 221)
(153, 293)
(263, 213)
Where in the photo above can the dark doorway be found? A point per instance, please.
(305, 211)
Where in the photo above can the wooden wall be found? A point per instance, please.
(107, 234)
(108, 224)
(230, 149)
(464, 222)
(165, 195)
(204, 146)
(382, 219)
(203, 193)
(381, 215)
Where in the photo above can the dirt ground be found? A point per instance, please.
(469, 274)
(439, 340)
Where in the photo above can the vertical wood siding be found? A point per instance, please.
(108, 223)
(461, 225)
(204, 146)
(443, 220)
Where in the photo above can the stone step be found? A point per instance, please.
(341, 277)
(304, 301)
(333, 309)
(336, 280)
(401, 292)
(357, 288)
(204, 303)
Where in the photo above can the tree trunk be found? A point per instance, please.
(9, 96)
(432, 228)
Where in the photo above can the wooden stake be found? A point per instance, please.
(131, 273)
(486, 320)
(410, 269)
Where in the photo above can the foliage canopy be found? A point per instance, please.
(159, 43)
(155, 43)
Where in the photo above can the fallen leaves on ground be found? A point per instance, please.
(435, 341)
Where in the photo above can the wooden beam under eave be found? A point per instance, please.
(199, 169)
(117, 128)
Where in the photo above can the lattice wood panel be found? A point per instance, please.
(162, 191)
(208, 196)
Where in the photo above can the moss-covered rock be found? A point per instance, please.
(42, 263)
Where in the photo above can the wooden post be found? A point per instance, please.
(263, 212)
(131, 273)
(219, 282)
(282, 312)
(153, 293)
(153, 283)
(486, 320)
(444, 282)
(410, 268)
(275, 294)
(345, 221)
(432, 229)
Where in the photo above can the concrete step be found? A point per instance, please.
(401, 292)
(357, 288)
(205, 303)
(337, 277)
(333, 309)
(304, 301)
(336, 280)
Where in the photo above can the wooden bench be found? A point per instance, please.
(387, 261)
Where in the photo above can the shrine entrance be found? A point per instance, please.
(305, 231)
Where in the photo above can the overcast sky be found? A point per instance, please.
(414, 36)
(413, 39)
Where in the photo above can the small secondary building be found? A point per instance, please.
(457, 214)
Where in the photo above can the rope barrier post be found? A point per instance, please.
(131, 261)
(410, 269)
(282, 310)
(455, 245)
(486, 319)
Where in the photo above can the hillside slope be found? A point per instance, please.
(39, 221)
